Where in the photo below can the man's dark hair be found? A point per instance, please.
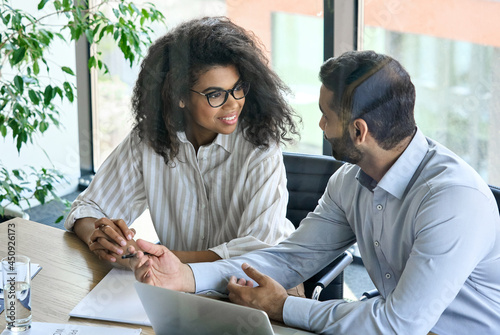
(375, 88)
(174, 64)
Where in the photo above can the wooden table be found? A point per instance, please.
(69, 272)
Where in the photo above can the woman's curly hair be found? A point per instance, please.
(174, 64)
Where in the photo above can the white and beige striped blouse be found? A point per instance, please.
(229, 198)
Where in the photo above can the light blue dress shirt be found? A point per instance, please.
(429, 236)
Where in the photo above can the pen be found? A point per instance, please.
(133, 255)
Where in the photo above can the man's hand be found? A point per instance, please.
(161, 268)
(269, 296)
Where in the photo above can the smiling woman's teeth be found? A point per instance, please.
(229, 118)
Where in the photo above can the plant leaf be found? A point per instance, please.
(92, 62)
(36, 68)
(42, 4)
(3, 130)
(18, 55)
(69, 91)
(47, 94)
(43, 126)
(67, 70)
(34, 97)
(19, 83)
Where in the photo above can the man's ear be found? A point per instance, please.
(360, 130)
(182, 104)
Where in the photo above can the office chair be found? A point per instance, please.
(307, 177)
(373, 293)
(496, 193)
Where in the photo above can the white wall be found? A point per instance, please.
(60, 144)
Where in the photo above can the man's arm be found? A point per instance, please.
(446, 250)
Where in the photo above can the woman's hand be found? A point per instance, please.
(110, 238)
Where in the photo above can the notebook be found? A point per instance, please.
(172, 312)
(113, 299)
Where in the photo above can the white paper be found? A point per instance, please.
(113, 299)
(43, 328)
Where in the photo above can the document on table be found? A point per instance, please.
(113, 299)
(43, 328)
(35, 268)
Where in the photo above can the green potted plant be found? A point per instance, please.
(30, 106)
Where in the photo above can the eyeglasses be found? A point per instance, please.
(218, 98)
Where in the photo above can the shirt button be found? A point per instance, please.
(203, 237)
(380, 207)
(388, 275)
(376, 243)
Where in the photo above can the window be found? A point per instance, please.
(452, 51)
(297, 55)
(291, 31)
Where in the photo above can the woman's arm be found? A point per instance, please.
(196, 256)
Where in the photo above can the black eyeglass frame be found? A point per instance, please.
(231, 91)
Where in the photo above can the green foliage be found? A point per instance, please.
(28, 94)
(39, 184)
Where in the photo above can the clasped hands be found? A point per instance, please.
(162, 268)
(110, 238)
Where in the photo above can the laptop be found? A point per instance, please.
(172, 312)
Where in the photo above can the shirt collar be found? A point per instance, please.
(396, 180)
(224, 141)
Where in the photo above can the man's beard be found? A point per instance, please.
(343, 148)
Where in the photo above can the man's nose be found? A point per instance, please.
(322, 123)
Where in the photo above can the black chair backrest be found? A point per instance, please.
(496, 194)
(307, 177)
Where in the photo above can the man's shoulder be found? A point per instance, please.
(442, 168)
(345, 176)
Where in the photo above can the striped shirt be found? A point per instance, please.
(230, 197)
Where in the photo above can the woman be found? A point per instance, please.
(203, 155)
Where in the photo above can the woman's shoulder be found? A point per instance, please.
(240, 145)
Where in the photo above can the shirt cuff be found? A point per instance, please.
(79, 213)
(207, 279)
(221, 250)
(296, 312)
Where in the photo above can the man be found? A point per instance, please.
(426, 224)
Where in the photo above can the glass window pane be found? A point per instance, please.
(291, 32)
(297, 57)
(452, 53)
